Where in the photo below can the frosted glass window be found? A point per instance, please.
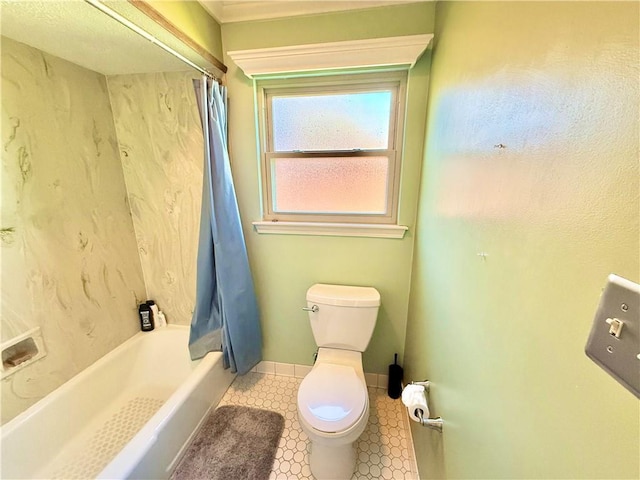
(345, 121)
(330, 185)
(331, 147)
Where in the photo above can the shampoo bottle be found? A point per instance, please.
(146, 317)
(154, 312)
(162, 320)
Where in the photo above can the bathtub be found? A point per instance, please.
(129, 415)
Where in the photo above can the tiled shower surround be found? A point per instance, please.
(384, 449)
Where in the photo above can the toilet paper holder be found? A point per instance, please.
(432, 423)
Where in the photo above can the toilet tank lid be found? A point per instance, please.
(343, 295)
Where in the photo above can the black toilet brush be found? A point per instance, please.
(394, 388)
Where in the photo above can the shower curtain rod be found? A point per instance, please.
(132, 26)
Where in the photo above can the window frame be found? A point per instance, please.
(395, 81)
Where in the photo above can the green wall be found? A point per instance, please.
(555, 211)
(285, 266)
(194, 20)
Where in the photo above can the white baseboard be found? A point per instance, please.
(374, 380)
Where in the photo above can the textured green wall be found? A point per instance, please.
(194, 20)
(555, 211)
(284, 266)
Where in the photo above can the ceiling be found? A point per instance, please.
(228, 11)
(81, 34)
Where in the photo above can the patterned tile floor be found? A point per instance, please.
(384, 450)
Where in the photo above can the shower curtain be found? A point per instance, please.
(225, 316)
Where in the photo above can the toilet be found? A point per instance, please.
(333, 403)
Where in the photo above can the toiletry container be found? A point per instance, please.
(146, 317)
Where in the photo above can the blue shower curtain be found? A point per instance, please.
(226, 316)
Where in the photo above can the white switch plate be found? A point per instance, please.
(618, 312)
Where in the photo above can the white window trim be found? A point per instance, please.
(373, 52)
(331, 229)
(396, 144)
(297, 60)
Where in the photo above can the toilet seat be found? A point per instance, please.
(332, 398)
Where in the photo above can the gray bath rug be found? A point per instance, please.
(235, 443)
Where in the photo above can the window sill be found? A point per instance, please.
(331, 229)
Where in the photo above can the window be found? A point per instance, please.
(331, 148)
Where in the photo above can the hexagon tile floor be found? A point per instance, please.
(384, 451)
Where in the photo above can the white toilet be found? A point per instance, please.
(333, 404)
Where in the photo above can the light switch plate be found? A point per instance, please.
(618, 313)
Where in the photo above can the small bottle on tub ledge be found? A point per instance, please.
(161, 321)
(146, 317)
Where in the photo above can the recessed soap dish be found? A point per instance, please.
(22, 351)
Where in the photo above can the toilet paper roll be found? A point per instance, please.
(419, 403)
(409, 391)
(414, 399)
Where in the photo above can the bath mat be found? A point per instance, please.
(235, 443)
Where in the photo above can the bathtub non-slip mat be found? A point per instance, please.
(235, 443)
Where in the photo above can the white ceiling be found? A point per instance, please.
(227, 11)
(81, 34)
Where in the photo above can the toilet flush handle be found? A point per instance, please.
(313, 309)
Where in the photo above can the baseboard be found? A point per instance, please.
(374, 380)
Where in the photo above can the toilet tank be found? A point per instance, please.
(345, 317)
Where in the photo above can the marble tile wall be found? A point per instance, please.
(160, 136)
(68, 258)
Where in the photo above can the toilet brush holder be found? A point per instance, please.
(394, 388)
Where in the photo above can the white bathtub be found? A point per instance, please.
(129, 415)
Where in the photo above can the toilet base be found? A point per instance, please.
(332, 462)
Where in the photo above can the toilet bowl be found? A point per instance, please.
(333, 410)
(333, 402)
